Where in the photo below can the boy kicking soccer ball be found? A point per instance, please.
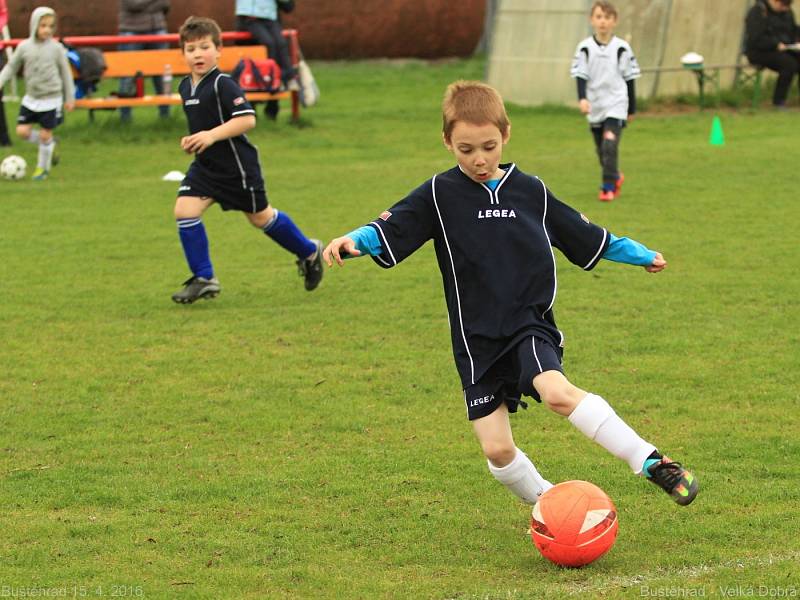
(494, 229)
(48, 87)
(226, 168)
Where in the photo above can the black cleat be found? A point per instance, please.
(196, 288)
(671, 477)
(311, 268)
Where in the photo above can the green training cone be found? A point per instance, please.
(717, 137)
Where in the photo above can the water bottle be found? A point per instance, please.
(139, 82)
(166, 81)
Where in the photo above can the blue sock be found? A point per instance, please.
(195, 246)
(609, 187)
(283, 230)
(654, 458)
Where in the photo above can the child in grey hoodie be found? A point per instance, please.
(48, 86)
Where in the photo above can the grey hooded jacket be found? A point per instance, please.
(47, 71)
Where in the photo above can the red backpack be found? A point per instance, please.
(257, 75)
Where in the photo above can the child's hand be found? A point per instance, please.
(658, 264)
(630, 118)
(69, 106)
(585, 106)
(197, 142)
(337, 248)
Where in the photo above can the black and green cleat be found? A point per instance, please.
(671, 477)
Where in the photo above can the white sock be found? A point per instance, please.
(521, 478)
(46, 154)
(33, 138)
(597, 420)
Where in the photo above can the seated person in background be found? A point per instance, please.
(262, 19)
(143, 17)
(770, 33)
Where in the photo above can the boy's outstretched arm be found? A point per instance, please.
(363, 240)
(658, 264)
(338, 249)
(628, 251)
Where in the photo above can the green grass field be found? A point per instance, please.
(278, 444)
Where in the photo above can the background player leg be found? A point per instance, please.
(192, 232)
(4, 140)
(28, 133)
(280, 227)
(509, 465)
(595, 418)
(45, 159)
(605, 195)
(609, 156)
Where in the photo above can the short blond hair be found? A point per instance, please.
(606, 7)
(472, 102)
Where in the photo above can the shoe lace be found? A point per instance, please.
(667, 474)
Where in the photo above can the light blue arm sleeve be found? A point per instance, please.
(366, 239)
(626, 250)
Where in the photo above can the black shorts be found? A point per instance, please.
(228, 192)
(612, 124)
(511, 377)
(49, 119)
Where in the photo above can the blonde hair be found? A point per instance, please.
(472, 102)
(605, 6)
(195, 28)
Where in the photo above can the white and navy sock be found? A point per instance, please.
(195, 247)
(521, 478)
(283, 231)
(595, 418)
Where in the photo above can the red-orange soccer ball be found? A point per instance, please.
(574, 523)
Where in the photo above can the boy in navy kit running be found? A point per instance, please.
(605, 69)
(48, 87)
(226, 169)
(493, 229)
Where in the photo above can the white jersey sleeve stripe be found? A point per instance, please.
(385, 242)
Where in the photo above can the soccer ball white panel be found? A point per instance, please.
(594, 518)
(13, 167)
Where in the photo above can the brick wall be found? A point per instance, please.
(328, 30)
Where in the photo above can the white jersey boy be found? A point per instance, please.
(606, 68)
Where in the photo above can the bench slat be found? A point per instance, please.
(153, 62)
(114, 102)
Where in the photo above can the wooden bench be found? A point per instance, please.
(155, 62)
(710, 75)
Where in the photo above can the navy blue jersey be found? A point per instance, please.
(495, 254)
(214, 100)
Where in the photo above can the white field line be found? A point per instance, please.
(682, 574)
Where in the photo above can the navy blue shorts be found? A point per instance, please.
(228, 192)
(511, 377)
(49, 119)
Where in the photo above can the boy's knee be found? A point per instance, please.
(261, 219)
(186, 209)
(24, 131)
(45, 135)
(558, 394)
(609, 135)
(499, 453)
(560, 401)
